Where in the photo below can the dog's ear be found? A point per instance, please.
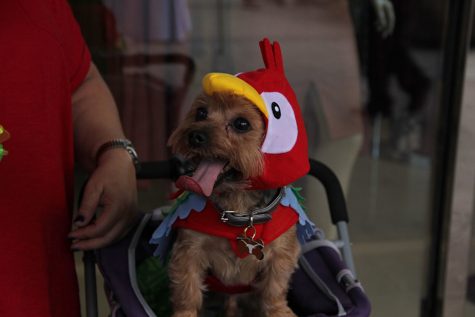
(171, 138)
(175, 139)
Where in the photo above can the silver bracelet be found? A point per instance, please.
(120, 143)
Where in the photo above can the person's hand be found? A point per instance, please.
(111, 187)
(385, 17)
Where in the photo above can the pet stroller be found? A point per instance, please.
(324, 285)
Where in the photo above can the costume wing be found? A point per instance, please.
(306, 229)
(181, 209)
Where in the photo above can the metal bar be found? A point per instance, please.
(346, 249)
(456, 39)
(90, 280)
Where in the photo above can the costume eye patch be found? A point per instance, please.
(282, 130)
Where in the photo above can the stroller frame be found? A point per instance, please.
(168, 170)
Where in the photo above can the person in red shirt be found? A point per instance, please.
(58, 111)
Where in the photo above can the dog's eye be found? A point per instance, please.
(241, 125)
(201, 114)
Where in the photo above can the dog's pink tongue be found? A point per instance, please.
(202, 181)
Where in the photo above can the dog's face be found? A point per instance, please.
(220, 138)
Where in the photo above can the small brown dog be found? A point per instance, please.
(245, 141)
(224, 132)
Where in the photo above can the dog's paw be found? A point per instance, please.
(185, 314)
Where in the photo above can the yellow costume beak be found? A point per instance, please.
(221, 82)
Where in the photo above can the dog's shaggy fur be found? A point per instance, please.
(229, 129)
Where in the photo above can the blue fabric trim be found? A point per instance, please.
(306, 229)
(161, 236)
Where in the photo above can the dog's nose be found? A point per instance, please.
(197, 138)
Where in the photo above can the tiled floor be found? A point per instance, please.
(388, 203)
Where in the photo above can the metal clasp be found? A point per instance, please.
(224, 215)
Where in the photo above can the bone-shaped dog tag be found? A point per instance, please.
(250, 246)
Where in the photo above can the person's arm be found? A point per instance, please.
(385, 17)
(112, 182)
